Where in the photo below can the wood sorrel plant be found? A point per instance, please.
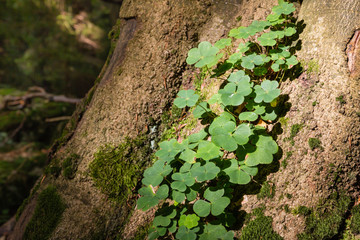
(197, 175)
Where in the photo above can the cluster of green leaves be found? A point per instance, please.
(198, 174)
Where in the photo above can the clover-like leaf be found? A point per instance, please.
(234, 58)
(206, 172)
(201, 110)
(186, 178)
(221, 124)
(250, 61)
(269, 115)
(222, 43)
(291, 61)
(268, 39)
(188, 155)
(218, 206)
(213, 194)
(289, 31)
(244, 47)
(248, 116)
(260, 71)
(207, 150)
(149, 198)
(216, 232)
(242, 134)
(191, 194)
(204, 55)
(275, 19)
(186, 234)
(189, 221)
(267, 92)
(156, 173)
(238, 76)
(202, 208)
(165, 218)
(283, 8)
(196, 137)
(259, 26)
(178, 196)
(242, 32)
(237, 175)
(233, 94)
(186, 98)
(265, 148)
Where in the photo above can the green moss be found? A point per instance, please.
(259, 228)
(325, 221)
(288, 195)
(355, 220)
(10, 120)
(284, 121)
(142, 232)
(286, 208)
(53, 168)
(48, 212)
(267, 191)
(314, 143)
(302, 210)
(284, 162)
(70, 165)
(340, 99)
(314, 103)
(295, 129)
(116, 170)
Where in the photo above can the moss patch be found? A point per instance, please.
(70, 165)
(314, 143)
(48, 212)
(325, 221)
(117, 170)
(267, 191)
(259, 228)
(355, 220)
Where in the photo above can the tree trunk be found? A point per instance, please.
(125, 113)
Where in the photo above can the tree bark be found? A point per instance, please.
(144, 73)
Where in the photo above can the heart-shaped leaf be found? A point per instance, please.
(202, 208)
(186, 98)
(267, 92)
(189, 221)
(204, 55)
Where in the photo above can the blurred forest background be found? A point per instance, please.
(48, 48)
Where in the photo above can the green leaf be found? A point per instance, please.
(244, 47)
(213, 194)
(189, 221)
(177, 196)
(218, 206)
(196, 137)
(188, 156)
(202, 208)
(259, 26)
(178, 185)
(268, 39)
(201, 110)
(283, 8)
(206, 172)
(248, 116)
(155, 174)
(237, 175)
(260, 71)
(289, 31)
(238, 76)
(265, 148)
(149, 198)
(275, 19)
(242, 32)
(168, 150)
(207, 150)
(204, 55)
(212, 232)
(191, 194)
(270, 115)
(186, 98)
(267, 92)
(222, 43)
(250, 61)
(291, 61)
(161, 221)
(186, 234)
(186, 178)
(225, 140)
(221, 125)
(234, 58)
(242, 134)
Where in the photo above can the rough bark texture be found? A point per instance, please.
(148, 67)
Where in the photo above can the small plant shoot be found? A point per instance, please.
(194, 179)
